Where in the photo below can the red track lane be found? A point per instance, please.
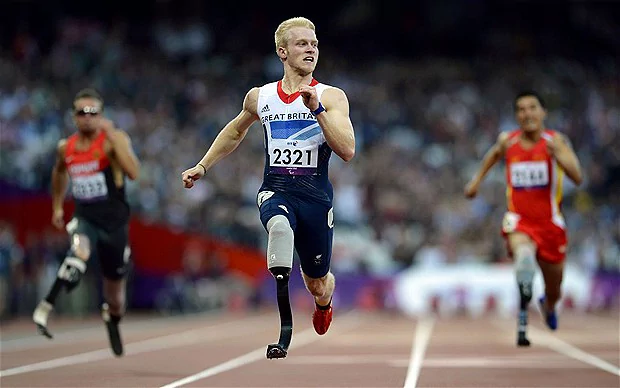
(360, 350)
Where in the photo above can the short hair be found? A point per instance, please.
(88, 93)
(529, 93)
(281, 35)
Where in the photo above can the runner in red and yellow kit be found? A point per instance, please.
(536, 161)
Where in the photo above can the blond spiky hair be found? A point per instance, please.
(281, 35)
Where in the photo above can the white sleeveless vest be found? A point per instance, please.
(292, 134)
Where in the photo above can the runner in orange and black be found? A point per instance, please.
(536, 161)
(95, 160)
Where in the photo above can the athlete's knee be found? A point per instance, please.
(80, 246)
(319, 286)
(279, 227)
(316, 287)
(74, 265)
(525, 262)
(525, 268)
(280, 244)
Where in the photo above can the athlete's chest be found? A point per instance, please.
(289, 122)
(92, 154)
(521, 150)
(87, 171)
(293, 137)
(272, 108)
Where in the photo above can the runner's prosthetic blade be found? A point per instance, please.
(280, 350)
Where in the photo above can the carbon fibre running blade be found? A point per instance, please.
(115, 338)
(44, 331)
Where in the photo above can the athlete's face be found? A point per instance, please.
(86, 114)
(301, 51)
(530, 114)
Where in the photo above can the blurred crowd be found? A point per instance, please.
(422, 125)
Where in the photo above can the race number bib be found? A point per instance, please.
(293, 157)
(529, 174)
(89, 187)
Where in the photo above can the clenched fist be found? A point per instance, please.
(191, 175)
(309, 96)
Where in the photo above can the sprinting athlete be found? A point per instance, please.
(536, 161)
(303, 122)
(96, 159)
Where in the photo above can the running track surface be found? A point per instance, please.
(361, 349)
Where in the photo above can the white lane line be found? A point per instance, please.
(481, 362)
(571, 351)
(73, 334)
(422, 337)
(173, 340)
(551, 360)
(397, 361)
(304, 338)
(81, 358)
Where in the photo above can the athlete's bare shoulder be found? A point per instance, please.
(61, 152)
(250, 101)
(334, 93)
(335, 98)
(503, 136)
(559, 141)
(561, 137)
(502, 141)
(61, 147)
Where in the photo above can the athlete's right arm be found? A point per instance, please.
(493, 155)
(227, 140)
(60, 182)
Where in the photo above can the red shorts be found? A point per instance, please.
(550, 239)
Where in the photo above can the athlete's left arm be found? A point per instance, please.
(121, 146)
(336, 124)
(563, 153)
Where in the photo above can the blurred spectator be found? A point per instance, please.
(11, 255)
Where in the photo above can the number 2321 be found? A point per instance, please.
(288, 157)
